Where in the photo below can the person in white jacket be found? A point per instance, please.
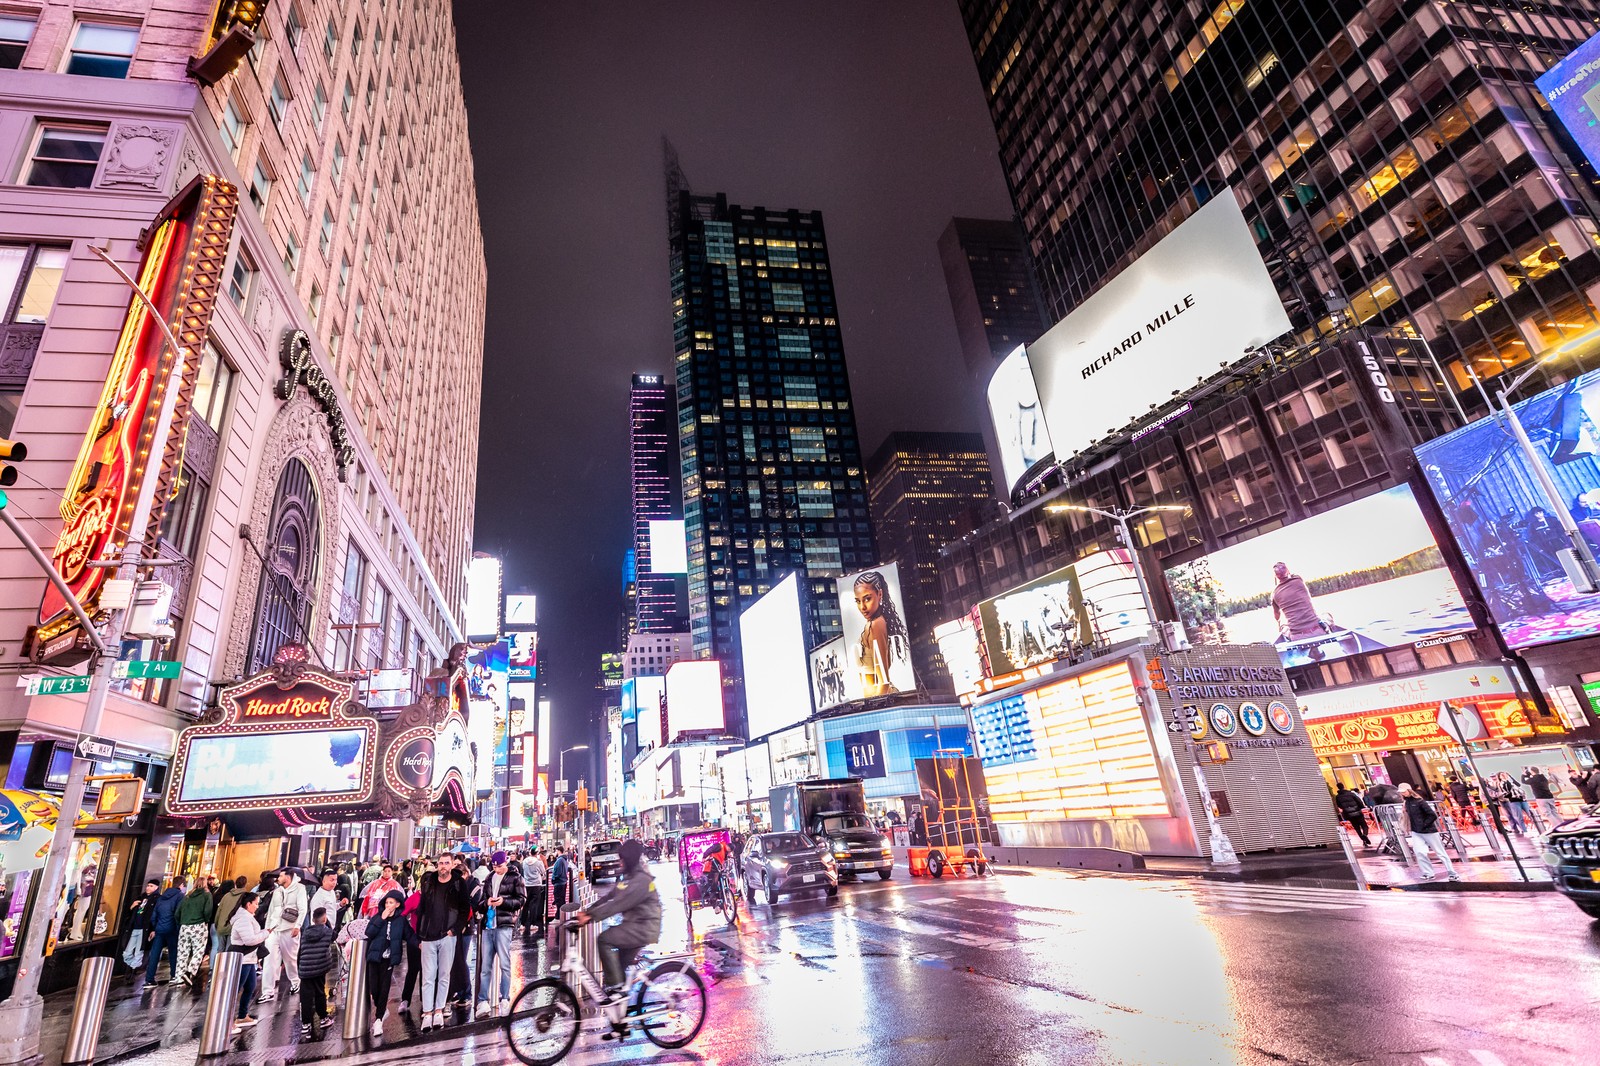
(245, 935)
(283, 940)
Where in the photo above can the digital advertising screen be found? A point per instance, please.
(522, 610)
(1018, 421)
(488, 716)
(829, 678)
(323, 763)
(669, 551)
(1362, 577)
(522, 651)
(1507, 528)
(1572, 87)
(772, 640)
(958, 646)
(694, 696)
(641, 703)
(1198, 299)
(1038, 622)
(483, 599)
(877, 644)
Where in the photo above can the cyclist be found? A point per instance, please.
(634, 897)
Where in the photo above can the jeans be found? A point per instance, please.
(1547, 810)
(379, 977)
(313, 998)
(1421, 844)
(1518, 811)
(160, 941)
(496, 945)
(413, 973)
(219, 943)
(437, 958)
(247, 985)
(1358, 822)
(191, 951)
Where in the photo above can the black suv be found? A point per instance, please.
(1572, 851)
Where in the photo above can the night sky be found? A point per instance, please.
(869, 112)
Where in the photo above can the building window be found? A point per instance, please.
(319, 107)
(291, 255)
(316, 300)
(292, 28)
(211, 387)
(347, 99)
(278, 99)
(102, 50)
(180, 525)
(15, 33)
(241, 279)
(338, 162)
(355, 42)
(372, 94)
(233, 125)
(66, 156)
(30, 277)
(325, 234)
(288, 577)
(357, 315)
(260, 187)
(344, 276)
(355, 212)
(330, 41)
(308, 174)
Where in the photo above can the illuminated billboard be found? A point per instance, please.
(641, 703)
(1038, 622)
(1199, 299)
(1507, 528)
(1362, 577)
(544, 735)
(772, 640)
(1018, 421)
(694, 697)
(1572, 87)
(829, 678)
(522, 650)
(1077, 749)
(488, 699)
(877, 643)
(483, 599)
(958, 646)
(669, 552)
(522, 611)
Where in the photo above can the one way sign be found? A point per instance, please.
(95, 747)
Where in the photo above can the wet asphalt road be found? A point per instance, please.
(1054, 968)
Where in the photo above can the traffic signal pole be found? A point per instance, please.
(21, 1013)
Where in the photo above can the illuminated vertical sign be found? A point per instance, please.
(185, 249)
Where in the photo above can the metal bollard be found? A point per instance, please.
(355, 992)
(88, 1009)
(1355, 863)
(222, 1003)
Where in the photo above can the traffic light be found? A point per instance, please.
(11, 451)
(583, 798)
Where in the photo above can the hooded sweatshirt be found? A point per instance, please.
(225, 909)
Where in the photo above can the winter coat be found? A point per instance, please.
(559, 870)
(443, 908)
(165, 919)
(386, 937)
(1348, 802)
(225, 909)
(1421, 815)
(316, 949)
(196, 908)
(512, 896)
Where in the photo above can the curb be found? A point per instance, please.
(1301, 881)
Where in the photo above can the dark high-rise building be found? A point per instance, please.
(772, 476)
(926, 489)
(1394, 159)
(657, 599)
(992, 291)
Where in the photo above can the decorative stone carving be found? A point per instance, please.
(266, 314)
(200, 449)
(298, 424)
(138, 156)
(19, 345)
(192, 164)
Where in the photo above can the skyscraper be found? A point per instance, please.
(657, 598)
(1395, 161)
(927, 489)
(992, 291)
(772, 477)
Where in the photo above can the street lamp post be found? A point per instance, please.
(562, 761)
(20, 1014)
(1121, 516)
(562, 758)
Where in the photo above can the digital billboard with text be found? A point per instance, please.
(1572, 88)
(877, 644)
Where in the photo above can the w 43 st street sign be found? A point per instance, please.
(69, 685)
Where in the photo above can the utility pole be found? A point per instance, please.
(21, 1013)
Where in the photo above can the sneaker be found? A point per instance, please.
(484, 1009)
(1455, 877)
(305, 1029)
(427, 1020)
(377, 1027)
(247, 1021)
(441, 1018)
(505, 1007)
(294, 987)
(267, 997)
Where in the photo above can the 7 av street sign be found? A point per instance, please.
(162, 669)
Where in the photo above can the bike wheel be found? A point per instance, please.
(544, 1022)
(671, 1005)
(730, 903)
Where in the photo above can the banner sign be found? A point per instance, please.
(863, 754)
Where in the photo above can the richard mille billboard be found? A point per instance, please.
(1189, 306)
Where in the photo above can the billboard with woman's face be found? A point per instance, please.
(877, 644)
(1507, 527)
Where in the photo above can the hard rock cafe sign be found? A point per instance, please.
(185, 249)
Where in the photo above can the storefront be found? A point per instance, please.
(881, 748)
(1400, 729)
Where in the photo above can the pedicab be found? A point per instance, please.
(700, 887)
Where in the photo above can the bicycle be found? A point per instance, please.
(719, 888)
(665, 999)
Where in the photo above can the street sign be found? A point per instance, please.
(163, 669)
(561, 786)
(71, 685)
(90, 747)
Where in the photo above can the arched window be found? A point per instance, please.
(284, 599)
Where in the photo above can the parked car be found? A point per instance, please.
(1572, 852)
(604, 861)
(788, 862)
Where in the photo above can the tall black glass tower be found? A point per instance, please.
(772, 473)
(657, 601)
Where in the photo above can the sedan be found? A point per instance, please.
(788, 862)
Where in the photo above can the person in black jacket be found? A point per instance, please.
(164, 923)
(386, 937)
(1425, 836)
(497, 910)
(444, 903)
(316, 959)
(1352, 810)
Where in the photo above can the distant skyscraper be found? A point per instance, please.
(927, 489)
(657, 599)
(772, 477)
(992, 291)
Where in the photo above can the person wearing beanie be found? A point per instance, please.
(498, 907)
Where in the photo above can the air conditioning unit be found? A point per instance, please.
(150, 616)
